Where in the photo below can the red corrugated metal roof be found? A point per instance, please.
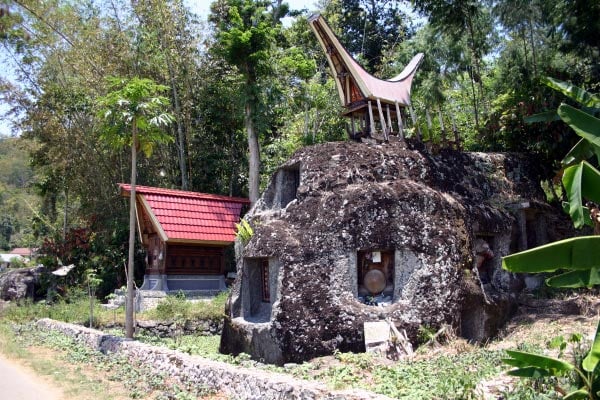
(191, 215)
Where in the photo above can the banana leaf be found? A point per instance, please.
(577, 395)
(528, 372)
(546, 116)
(579, 253)
(581, 181)
(582, 150)
(590, 362)
(576, 279)
(524, 361)
(573, 92)
(585, 125)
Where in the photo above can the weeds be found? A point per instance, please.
(140, 380)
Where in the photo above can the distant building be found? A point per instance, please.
(23, 251)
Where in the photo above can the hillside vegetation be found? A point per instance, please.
(18, 201)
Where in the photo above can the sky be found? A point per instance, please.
(200, 7)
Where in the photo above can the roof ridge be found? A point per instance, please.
(141, 189)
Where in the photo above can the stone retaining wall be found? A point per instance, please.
(238, 382)
(172, 329)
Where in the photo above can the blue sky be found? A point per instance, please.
(200, 7)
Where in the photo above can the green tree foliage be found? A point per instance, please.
(246, 92)
(17, 198)
(246, 32)
(134, 113)
(369, 28)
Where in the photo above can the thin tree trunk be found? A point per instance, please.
(129, 328)
(532, 47)
(254, 159)
(442, 127)
(476, 71)
(180, 134)
(475, 107)
(65, 215)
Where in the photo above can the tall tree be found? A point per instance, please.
(167, 35)
(134, 112)
(454, 19)
(246, 31)
(369, 28)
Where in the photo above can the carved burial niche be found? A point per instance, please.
(258, 288)
(289, 180)
(375, 273)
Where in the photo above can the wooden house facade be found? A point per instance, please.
(185, 235)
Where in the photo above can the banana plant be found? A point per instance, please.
(577, 258)
(580, 179)
(537, 366)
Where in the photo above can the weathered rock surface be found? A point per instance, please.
(173, 329)
(20, 283)
(298, 293)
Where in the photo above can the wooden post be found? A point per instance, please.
(389, 119)
(382, 120)
(371, 121)
(399, 118)
(353, 127)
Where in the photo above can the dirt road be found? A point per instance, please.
(20, 383)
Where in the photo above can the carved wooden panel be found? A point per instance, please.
(264, 276)
(187, 259)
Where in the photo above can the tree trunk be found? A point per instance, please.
(180, 135)
(129, 328)
(254, 149)
(475, 71)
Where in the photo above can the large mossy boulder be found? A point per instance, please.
(336, 211)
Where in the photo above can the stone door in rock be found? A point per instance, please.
(375, 272)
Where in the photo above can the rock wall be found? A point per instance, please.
(329, 204)
(239, 383)
(20, 283)
(172, 329)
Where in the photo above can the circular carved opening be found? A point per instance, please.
(375, 281)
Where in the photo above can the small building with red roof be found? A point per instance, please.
(23, 251)
(185, 235)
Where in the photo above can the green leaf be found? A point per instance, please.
(525, 360)
(576, 279)
(581, 181)
(585, 125)
(579, 253)
(546, 116)
(591, 360)
(577, 394)
(580, 152)
(530, 372)
(571, 179)
(573, 92)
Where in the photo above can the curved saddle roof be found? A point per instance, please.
(353, 82)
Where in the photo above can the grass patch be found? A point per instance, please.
(82, 371)
(175, 307)
(75, 310)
